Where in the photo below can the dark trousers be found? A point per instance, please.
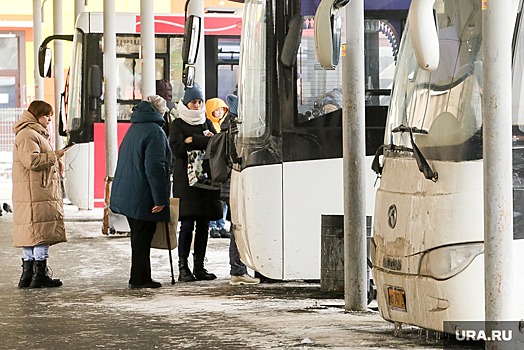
(237, 267)
(141, 236)
(186, 236)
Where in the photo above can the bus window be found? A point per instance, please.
(227, 66)
(319, 91)
(129, 71)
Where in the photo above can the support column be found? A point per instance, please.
(354, 155)
(147, 37)
(59, 66)
(498, 186)
(37, 40)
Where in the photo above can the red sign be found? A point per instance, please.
(213, 25)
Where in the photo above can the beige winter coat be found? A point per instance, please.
(38, 213)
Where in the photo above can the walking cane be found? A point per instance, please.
(170, 256)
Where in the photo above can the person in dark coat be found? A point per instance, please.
(140, 189)
(191, 131)
(164, 89)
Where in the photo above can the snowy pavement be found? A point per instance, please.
(95, 309)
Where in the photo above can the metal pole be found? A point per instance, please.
(147, 37)
(59, 65)
(37, 40)
(110, 105)
(498, 196)
(196, 7)
(354, 153)
(79, 8)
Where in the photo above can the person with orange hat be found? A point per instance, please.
(216, 110)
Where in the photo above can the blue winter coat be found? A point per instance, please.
(142, 173)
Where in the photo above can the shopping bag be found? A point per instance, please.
(198, 173)
(160, 238)
(195, 167)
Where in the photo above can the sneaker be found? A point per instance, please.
(214, 233)
(244, 279)
(224, 233)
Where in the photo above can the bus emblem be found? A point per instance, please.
(392, 216)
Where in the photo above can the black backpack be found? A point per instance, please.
(216, 156)
(219, 157)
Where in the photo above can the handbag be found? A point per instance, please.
(160, 239)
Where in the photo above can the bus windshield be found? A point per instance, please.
(518, 87)
(444, 105)
(74, 120)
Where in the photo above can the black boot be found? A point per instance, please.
(184, 273)
(40, 277)
(199, 271)
(27, 274)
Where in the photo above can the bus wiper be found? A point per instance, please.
(423, 165)
(414, 129)
(375, 164)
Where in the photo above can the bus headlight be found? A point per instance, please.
(446, 262)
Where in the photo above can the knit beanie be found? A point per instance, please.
(193, 93)
(232, 102)
(158, 103)
(164, 89)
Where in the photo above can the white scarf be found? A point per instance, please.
(191, 116)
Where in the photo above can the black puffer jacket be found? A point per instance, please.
(194, 202)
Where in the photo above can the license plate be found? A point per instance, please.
(397, 298)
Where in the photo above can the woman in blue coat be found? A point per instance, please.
(140, 189)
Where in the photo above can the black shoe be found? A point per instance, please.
(204, 275)
(185, 275)
(41, 276)
(7, 208)
(214, 233)
(27, 274)
(225, 233)
(152, 284)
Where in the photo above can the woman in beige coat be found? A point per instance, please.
(38, 213)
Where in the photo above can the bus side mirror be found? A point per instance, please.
(190, 47)
(45, 55)
(423, 32)
(191, 42)
(328, 32)
(292, 41)
(94, 84)
(44, 61)
(188, 76)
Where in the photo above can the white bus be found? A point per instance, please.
(290, 138)
(84, 113)
(428, 234)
